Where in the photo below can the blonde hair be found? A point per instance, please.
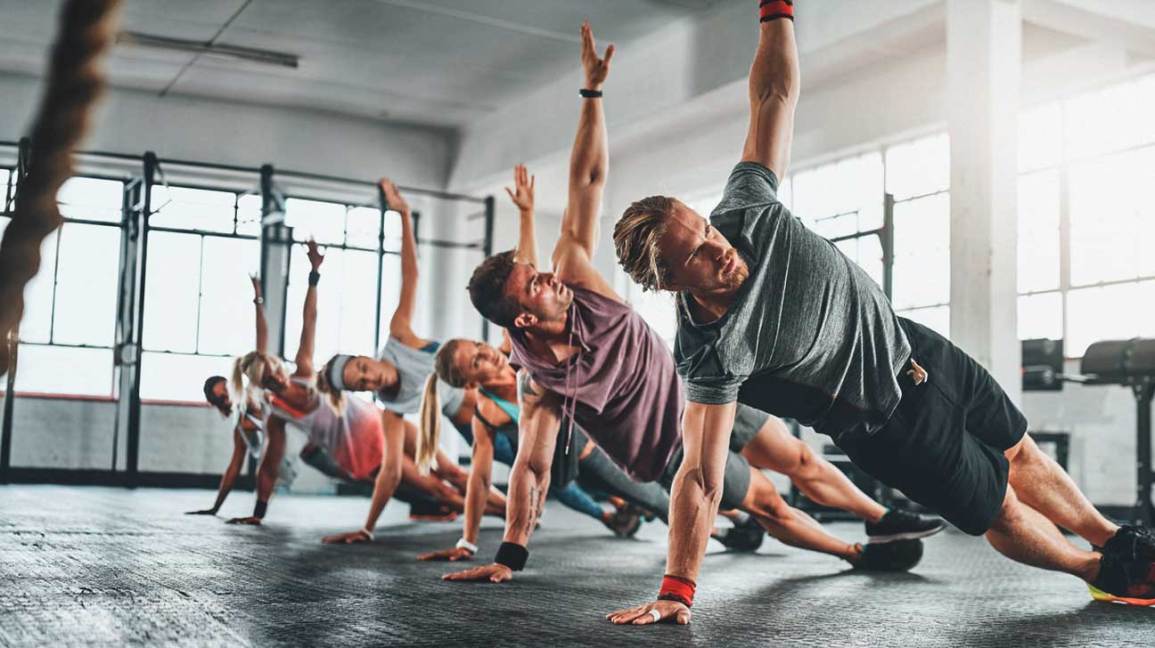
(334, 398)
(429, 430)
(636, 237)
(249, 369)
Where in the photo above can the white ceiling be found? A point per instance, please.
(434, 62)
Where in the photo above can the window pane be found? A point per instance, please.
(323, 221)
(866, 251)
(919, 167)
(393, 232)
(91, 199)
(170, 296)
(64, 370)
(922, 252)
(1109, 313)
(358, 274)
(86, 290)
(1040, 137)
(843, 197)
(937, 318)
(364, 225)
(249, 214)
(36, 324)
(194, 209)
(1110, 213)
(658, 309)
(226, 310)
(1041, 316)
(1038, 231)
(345, 303)
(1104, 120)
(179, 377)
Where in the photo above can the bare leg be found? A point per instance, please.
(1023, 534)
(788, 524)
(1043, 485)
(774, 448)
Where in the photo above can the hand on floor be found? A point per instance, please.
(452, 555)
(494, 573)
(251, 520)
(211, 511)
(658, 611)
(353, 537)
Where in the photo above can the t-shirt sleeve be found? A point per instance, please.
(750, 185)
(713, 391)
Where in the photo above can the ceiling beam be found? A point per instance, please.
(1124, 24)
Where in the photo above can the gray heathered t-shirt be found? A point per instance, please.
(413, 367)
(810, 335)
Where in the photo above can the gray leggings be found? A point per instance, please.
(598, 472)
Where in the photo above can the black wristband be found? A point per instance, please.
(314, 277)
(260, 508)
(512, 555)
(590, 94)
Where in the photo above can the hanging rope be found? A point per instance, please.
(75, 80)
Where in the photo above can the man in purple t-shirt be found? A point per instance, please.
(592, 360)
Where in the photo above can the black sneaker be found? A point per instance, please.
(896, 556)
(901, 525)
(1131, 543)
(625, 522)
(1129, 582)
(746, 536)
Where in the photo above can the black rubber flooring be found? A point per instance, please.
(95, 566)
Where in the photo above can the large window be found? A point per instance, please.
(67, 332)
(1086, 222)
(198, 310)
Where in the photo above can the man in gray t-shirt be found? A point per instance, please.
(774, 316)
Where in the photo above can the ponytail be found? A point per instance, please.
(429, 433)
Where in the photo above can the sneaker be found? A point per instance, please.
(1129, 582)
(897, 556)
(901, 525)
(1131, 543)
(746, 537)
(625, 522)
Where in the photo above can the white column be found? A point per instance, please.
(984, 58)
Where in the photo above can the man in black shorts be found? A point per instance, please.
(774, 316)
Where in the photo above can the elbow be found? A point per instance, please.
(778, 95)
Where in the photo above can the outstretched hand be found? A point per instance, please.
(353, 537)
(315, 256)
(452, 555)
(522, 194)
(596, 69)
(393, 199)
(493, 572)
(650, 613)
(251, 520)
(211, 511)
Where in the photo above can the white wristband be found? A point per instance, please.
(467, 545)
(368, 533)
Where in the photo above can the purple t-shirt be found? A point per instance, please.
(622, 385)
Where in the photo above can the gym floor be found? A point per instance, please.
(102, 566)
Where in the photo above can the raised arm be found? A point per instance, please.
(262, 324)
(694, 499)
(522, 196)
(528, 484)
(774, 84)
(230, 476)
(401, 325)
(268, 471)
(304, 358)
(588, 166)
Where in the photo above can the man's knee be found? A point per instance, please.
(763, 498)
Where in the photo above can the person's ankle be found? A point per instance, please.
(853, 552)
(1090, 571)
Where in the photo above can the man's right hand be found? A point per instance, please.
(451, 555)
(211, 511)
(494, 573)
(522, 193)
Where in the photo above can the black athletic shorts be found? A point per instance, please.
(943, 447)
(736, 481)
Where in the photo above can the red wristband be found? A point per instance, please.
(772, 9)
(676, 588)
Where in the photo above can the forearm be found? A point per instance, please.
(527, 493)
(262, 329)
(526, 242)
(774, 72)
(227, 481)
(387, 481)
(476, 495)
(693, 507)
